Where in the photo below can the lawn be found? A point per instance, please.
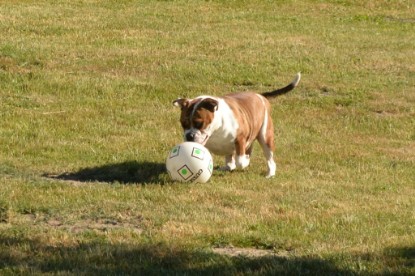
(86, 122)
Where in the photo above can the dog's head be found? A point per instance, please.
(196, 118)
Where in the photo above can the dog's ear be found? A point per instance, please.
(182, 103)
(210, 104)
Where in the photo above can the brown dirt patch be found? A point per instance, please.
(248, 252)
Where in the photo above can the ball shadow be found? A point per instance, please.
(129, 172)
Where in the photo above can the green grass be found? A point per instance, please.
(87, 121)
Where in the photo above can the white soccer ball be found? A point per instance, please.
(190, 162)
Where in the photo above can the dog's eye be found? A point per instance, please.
(185, 124)
(197, 125)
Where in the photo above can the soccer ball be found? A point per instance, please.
(190, 162)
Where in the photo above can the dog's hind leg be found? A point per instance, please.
(266, 140)
(269, 156)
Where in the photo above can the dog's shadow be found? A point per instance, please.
(129, 172)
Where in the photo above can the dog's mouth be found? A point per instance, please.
(200, 138)
(205, 140)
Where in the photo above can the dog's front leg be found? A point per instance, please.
(230, 163)
(242, 159)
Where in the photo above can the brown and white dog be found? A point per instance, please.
(229, 125)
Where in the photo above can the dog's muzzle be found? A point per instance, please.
(190, 137)
(196, 136)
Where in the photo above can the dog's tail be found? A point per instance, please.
(285, 89)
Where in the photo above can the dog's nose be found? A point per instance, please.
(190, 137)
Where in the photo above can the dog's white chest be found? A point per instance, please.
(225, 125)
(221, 144)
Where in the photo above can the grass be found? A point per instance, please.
(87, 121)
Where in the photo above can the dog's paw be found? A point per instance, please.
(269, 176)
(272, 168)
(242, 161)
(271, 172)
(226, 168)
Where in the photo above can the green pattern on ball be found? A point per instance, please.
(198, 153)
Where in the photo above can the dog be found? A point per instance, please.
(230, 124)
